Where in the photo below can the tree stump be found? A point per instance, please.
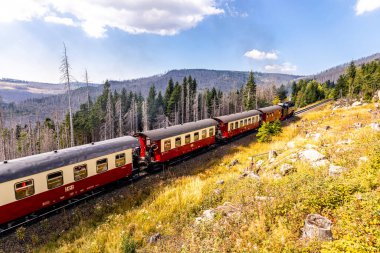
(317, 227)
(272, 154)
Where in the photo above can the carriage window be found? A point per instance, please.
(196, 136)
(178, 142)
(24, 189)
(55, 180)
(241, 123)
(80, 172)
(236, 125)
(167, 145)
(204, 134)
(249, 121)
(245, 122)
(232, 126)
(119, 160)
(211, 132)
(187, 139)
(101, 165)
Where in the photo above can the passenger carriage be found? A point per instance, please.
(271, 113)
(30, 183)
(161, 145)
(238, 123)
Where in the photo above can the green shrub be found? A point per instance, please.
(128, 245)
(267, 130)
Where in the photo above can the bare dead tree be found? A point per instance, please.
(195, 107)
(66, 77)
(88, 88)
(182, 104)
(188, 104)
(109, 126)
(2, 139)
(145, 116)
(57, 130)
(118, 106)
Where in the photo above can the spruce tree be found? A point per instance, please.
(249, 97)
(168, 93)
(351, 74)
(282, 93)
(151, 107)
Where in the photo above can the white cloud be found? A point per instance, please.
(58, 20)
(286, 67)
(259, 55)
(162, 17)
(21, 10)
(363, 6)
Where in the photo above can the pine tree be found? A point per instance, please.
(250, 93)
(173, 105)
(294, 90)
(282, 93)
(151, 107)
(168, 93)
(351, 74)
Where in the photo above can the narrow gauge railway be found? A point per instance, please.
(36, 186)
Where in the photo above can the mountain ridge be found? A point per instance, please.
(333, 73)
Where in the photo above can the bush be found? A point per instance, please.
(267, 130)
(128, 245)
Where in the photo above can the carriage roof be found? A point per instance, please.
(270, 108)
(237, 116)
(30, 165)
(163, 133)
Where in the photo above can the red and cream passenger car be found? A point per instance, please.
(31, 183)
(238, 123)
(161, 145)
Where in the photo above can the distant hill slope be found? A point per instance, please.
(333, 74)
(17, 90)
(221, 79)
(12, 90)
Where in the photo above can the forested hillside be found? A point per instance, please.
(355, 83)
(334, 73)
(207, 79)
(116, 113)
(39, 107)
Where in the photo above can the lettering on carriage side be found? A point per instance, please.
(69, 188)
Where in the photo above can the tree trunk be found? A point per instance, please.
(317, 227)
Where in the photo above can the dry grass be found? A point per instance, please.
(351, 201)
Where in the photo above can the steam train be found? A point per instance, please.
(35, 182)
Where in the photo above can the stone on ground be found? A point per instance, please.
(357, 103)
(335, 170)
(286, 169)
(311, 155)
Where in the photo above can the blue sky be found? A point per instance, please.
(124, 39)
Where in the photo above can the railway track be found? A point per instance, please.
(312, 107)
(45, 213)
